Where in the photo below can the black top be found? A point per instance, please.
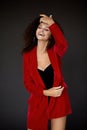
(47, 76)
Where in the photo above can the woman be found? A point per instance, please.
(44, 47)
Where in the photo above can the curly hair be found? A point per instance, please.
(30, 40)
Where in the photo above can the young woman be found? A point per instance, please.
(49, 100)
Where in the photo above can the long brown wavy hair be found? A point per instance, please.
(30, 40)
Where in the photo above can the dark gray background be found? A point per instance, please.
(14, 17)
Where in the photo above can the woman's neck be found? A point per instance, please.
(41, 47)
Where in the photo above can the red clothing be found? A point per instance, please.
(39, 111)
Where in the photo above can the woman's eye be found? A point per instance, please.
(39, 27)
(46, 29)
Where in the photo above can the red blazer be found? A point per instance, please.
(39, 110)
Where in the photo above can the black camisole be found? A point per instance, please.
(47, 76)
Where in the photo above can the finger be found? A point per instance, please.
(42, 20)
(58, 87)
(62, 88)
(43, 15)
(50, 16)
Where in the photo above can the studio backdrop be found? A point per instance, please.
(14, 17)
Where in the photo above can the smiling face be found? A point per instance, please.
(43, 33)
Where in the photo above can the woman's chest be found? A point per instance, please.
(43, 61)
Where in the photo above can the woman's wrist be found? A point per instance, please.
(45, 93)
(51, 22)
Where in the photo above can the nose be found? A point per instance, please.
(42, 30)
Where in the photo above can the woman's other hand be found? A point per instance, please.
(54, 91)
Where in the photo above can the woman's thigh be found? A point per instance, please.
(58, 123)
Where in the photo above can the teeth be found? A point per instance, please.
(41, 34)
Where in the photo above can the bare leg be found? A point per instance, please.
(58, 123)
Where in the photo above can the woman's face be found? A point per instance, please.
(43, 33)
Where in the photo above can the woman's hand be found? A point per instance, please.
(46, 19)
(54, 91)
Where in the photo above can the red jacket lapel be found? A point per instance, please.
(35, 75)
(56, 65)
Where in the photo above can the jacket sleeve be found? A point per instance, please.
(64, 83)
(60, 42)
(28, 82)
